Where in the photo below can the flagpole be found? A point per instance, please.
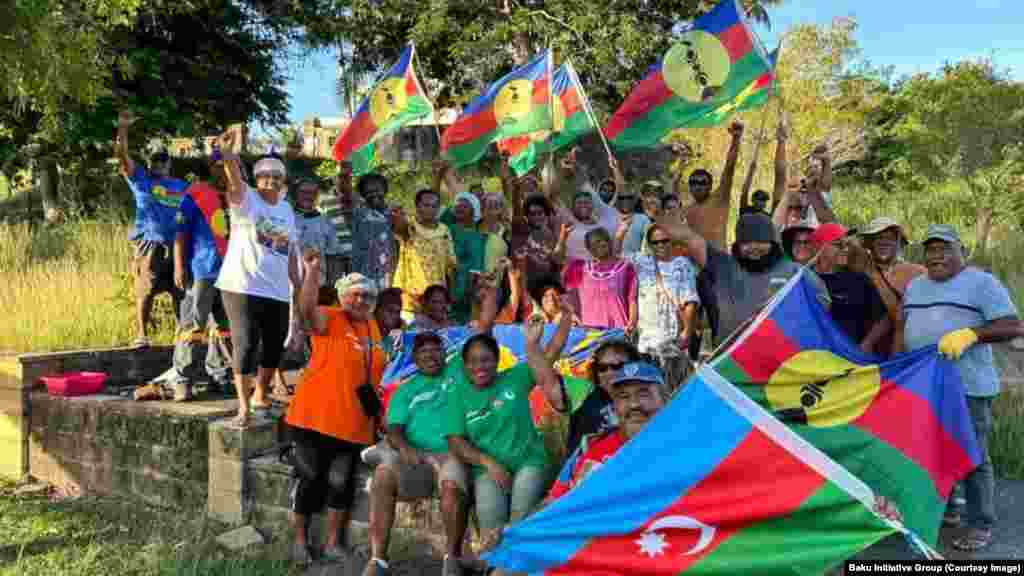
(430, 99)
(586, 106)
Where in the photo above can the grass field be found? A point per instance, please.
(94, 536)
(69, 286)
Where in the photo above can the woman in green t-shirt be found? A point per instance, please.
(490, 428)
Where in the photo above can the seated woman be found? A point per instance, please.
(606, 285)
(489, 427)
(331, 417)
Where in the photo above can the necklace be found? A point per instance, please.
(596, 274)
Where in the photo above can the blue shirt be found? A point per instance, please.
(970, 299)
(201, 255)
(634, 239)
(156, 205)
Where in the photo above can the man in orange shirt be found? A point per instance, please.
(333, 415)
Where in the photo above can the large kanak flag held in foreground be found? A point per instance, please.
(713, 70)
(396, 100)
(901, 426)
(770, 460)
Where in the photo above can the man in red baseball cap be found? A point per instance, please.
(856, 305)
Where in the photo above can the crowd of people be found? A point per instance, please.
(275, 270)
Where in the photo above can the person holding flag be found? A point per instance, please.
(199, 247)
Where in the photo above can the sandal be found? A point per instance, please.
(974, 540)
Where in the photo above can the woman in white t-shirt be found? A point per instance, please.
(254, 279)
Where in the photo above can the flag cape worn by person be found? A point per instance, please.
(395, 101)
(697, 82)
(712, 485)
(571, 121)
(574, 357)
(519, 103)
(901, 426)
(208, 200)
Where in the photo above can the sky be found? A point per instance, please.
(911, 35)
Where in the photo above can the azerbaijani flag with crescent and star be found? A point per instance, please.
(712, 64)
(573, 359)
(713, 484)
(395, 101)
(901, 426)
(571, 121)
(519, 103)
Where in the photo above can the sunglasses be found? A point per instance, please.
(623, 197)
(600, 367)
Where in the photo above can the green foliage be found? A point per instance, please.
(464, 45)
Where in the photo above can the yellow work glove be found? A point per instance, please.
(953, 344)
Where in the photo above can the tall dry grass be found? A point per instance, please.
(69, 286)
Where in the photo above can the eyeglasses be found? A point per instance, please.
(600, 367)
(661, 242)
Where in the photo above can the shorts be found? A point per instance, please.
(153, 268)
(421, 481)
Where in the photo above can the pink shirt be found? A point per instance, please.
(604, 289)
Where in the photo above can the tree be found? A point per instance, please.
(185, 69)
(466, 44)
(964, 122)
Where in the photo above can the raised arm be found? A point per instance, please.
(780, 166)
(310, 294)
(780, 214)
(544, 374)
(554, 348)
(725, 187)
(748, 182)
(232, 167)
(440, 167)
(488, 304)
(454, 183)
(674, 224)
(124, 121)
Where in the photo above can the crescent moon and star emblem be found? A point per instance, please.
(513, 101)
(697, 66)
(388, 100)
(653, 543)
(821, 389)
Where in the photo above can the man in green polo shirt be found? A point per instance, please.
(418, 456)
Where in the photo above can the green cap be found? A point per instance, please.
(943, 232)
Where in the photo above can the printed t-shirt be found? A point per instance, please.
(593, 452)
(373, 244)
(970, 299)
(424, 259)
(325, 399)
(261, 237)
(497, 420)
(421, 407)
(314, 230)
(658, 302)
(202, 216)
(156, 205)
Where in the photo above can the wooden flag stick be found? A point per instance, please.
(430, 99)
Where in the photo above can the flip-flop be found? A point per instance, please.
(974, 540)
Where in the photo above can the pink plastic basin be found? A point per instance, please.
(75, 383)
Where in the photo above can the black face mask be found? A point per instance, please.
(759, 265)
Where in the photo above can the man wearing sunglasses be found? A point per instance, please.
(157, 199)
(708, 216)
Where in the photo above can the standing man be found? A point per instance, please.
(964, 310)
(374, 249)
(199, 248)
(338, 209)
(881, 259)
(708, 216)
(157, 199)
